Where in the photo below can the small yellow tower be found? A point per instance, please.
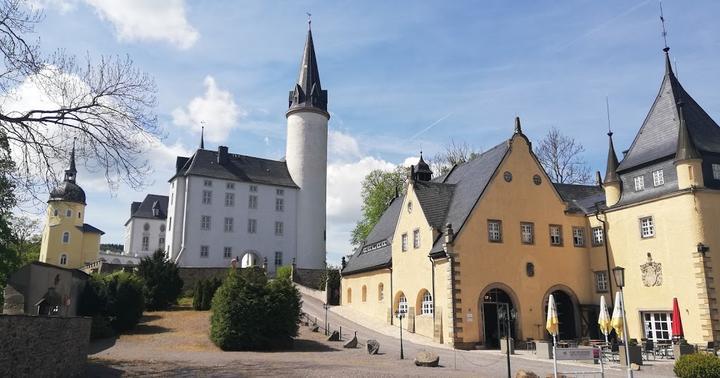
(612, 184)
(688, 162)
(66, 240)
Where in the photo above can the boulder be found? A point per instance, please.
(353, 343)
(525, 374)
(335, 336)
(427, 359)
(373, 347)
(315, 328)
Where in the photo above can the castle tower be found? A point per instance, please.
(611, 183)
(306, 156)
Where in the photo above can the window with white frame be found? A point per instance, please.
(207, 197)
(494, 231)
(578, 236)
(427, 304)
(381, 292)
(279, 228)
(230, 185)
(252, 226)
(639, 183)
(403, 304)
(657, 326)
(161, 242)
(229, 199)
(598, 236)
(229, 224)
(527, 233)
(416, 239)
(555, 235)
(63, 259)
(404, 242)
(280, 192)
(716, 171)
(647, 227)
(205, 222)
(145, 243)
(279, 204)
(204, 251)
(66, 237)
(601, 281)
(227, 252)
(252, 202)
(658, 178)
(207, 183)
(253, 188)
(278, 258)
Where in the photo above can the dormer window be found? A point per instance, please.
(658, 178)
(639, 183)
(156, 212)
(716, 171)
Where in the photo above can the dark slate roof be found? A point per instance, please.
(68, 191)
(86, 228)
(581, 198)
(144, 209)
(434, 198)
(236, 167)
(376, 252)
(657, 138)
(308, 94)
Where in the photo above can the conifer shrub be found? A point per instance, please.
(697, 365)
(250, 313)
(198, 295)
(204, 292)
(162, 282)
(114, 301)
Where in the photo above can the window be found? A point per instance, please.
(556, 235)
(404, 242)
(68, 213)
(146, 227)
(349, 295)
(495, 231)
(639, 183)
(205, 222)
(381, 294)
(161, 242)
(598, 237)
(207, 183)
(601, 281)
(279, 228)
(416, 239)
(427, 304)
(230, 185)
(204, 251)
(279, 204)
(66, 237)
(409, 207)
(229, 199)
(647, 227)
(63, 259)
(252, 226)
(364, 293)
(253, 188)
(227, 252)
(278, 258)
(145, 243)
(716, 171)
(162, 227)
(578, 236)
(403, 304)
(252, 202)
(658, 178)
(207, 197)
(527, 233)
(79, 214)
(229, 224)
(280, 192)
(657, 326)
(55, 213)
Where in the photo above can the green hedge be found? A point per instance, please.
(116, 300)
(161, 279)
(204, 292)
(697, 365)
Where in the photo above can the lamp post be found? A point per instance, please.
(508, 315)
(619, 274)
(400, 315)
(326, 307)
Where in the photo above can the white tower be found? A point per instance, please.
(306, 156)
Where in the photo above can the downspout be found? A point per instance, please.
(432, 270)
(606, 241)
(392, 297)
(185, 216)
(449, 254)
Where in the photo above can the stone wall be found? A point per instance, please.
(38, 346)
(191, 276)
(311, 278)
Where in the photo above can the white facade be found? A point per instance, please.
(306, 157)
(197, 231)
(143, 236)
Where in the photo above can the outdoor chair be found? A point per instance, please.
(614, 351)
(649, 349)
(711, 347)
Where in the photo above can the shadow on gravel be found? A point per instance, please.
(100, 369)
(100, 345)
(146, 329)
(149, 317)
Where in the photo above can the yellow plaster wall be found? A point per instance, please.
(372, 306)
(52, 247)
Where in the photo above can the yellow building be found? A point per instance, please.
(458, 251)
(66, 240)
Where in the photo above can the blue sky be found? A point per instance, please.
(392, 70)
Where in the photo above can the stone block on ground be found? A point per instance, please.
(353, 343)
(315, 328)
(525, 374)
(335, 336)
(634, 366)
(427, 359)
(373, 347)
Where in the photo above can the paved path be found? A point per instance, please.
(484, 363)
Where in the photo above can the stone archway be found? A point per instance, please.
(493, 304)
(568, 312)
(249, 259)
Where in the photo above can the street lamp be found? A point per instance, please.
(400, 315)
(508, 315)
(619, 274)
(326, 307)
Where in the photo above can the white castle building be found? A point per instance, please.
(146, 229)
(224, 206)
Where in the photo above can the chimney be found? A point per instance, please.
(223, 155)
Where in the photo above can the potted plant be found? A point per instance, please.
(634, 350)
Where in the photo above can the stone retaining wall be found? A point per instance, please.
(191, 276)
(39, 346)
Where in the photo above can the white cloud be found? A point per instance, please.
(342, 147)
(216, 109)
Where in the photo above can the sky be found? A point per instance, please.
(402, 77)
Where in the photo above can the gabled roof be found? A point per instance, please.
(376, 252)
(434, 198)
(658, 136)
(88, 229)
(236, 168)
(144, 209)
(581, 198)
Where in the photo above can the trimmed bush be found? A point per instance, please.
(284, 272)
(198, 295)
(116, 300)
(697, 365)
(250, 313)
(162, 284)
(204, 292)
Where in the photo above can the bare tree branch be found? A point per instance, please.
(454, 153)
(561, 156)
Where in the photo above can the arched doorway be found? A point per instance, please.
(249, 259)
(567, 315)
(494, 305)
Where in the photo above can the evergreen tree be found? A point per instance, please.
(162, 282)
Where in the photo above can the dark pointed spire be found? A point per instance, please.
(612, 162)
(423, 172)
(202, 137)
(685, 147)
(668, 65)
(308, 93)
(71, 172)
(518, 128)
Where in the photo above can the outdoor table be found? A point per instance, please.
(664, 349)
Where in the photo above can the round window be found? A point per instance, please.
(146, 227)
(409, 207)
(162, 227)
(537, 180)
(508, 176)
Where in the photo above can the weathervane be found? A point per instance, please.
(664, 32)
(309, 19)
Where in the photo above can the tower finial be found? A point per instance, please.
(518, 127)
(664, 32)
(607, 110)
(309, 20)
(71, 172)
(202, 135)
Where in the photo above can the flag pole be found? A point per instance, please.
(555, 372)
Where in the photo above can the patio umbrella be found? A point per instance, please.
(604, 319)
(551, 324)
(617, 316)
(677, 328)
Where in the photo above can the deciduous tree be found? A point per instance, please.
(378, 189)
(561, 156)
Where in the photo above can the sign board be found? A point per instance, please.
(575, 353)
(469, 316)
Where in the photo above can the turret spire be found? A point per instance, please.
(518, 128)
(71, 172)
(423, 171)
(202, 137)
(685, 147)
(612, 162)
(308, 93)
